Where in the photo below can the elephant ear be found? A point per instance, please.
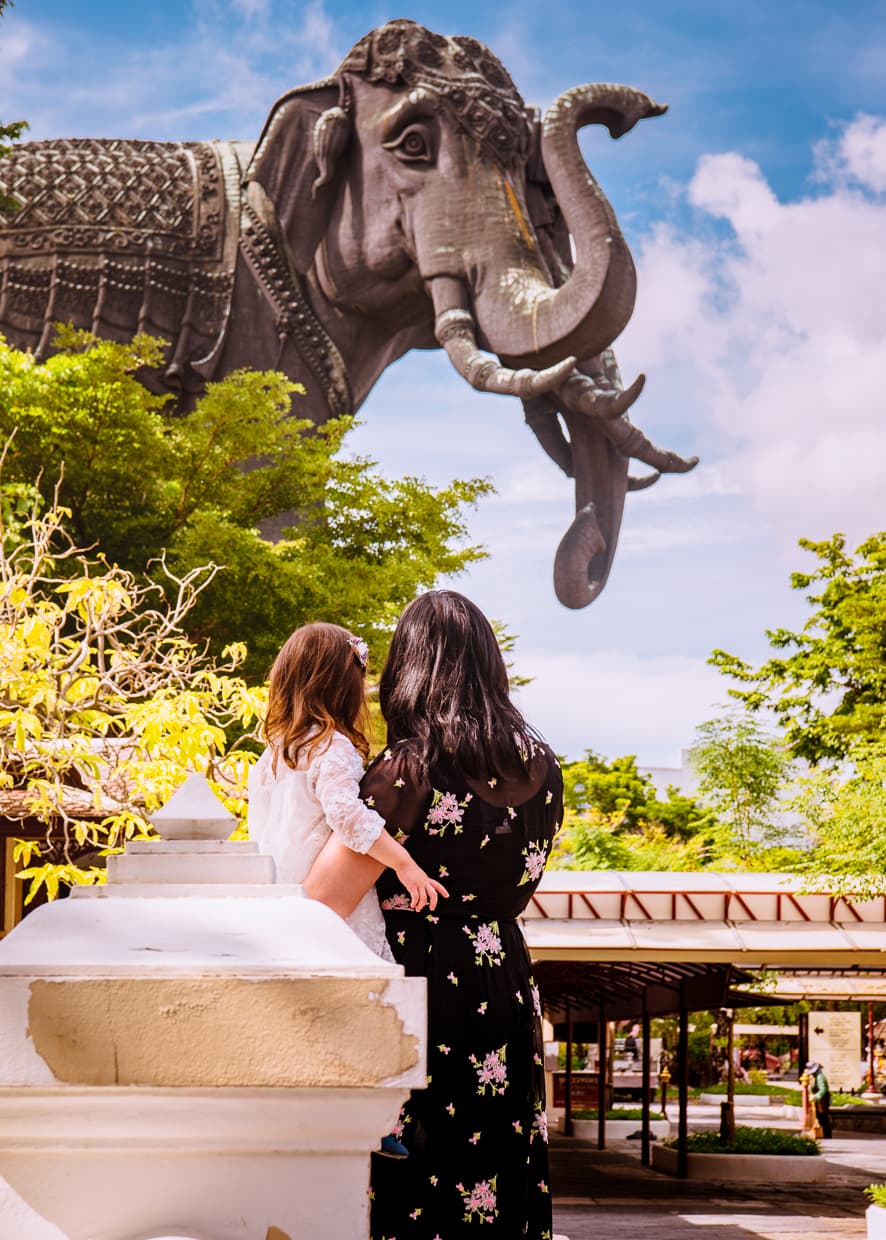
(294, 163)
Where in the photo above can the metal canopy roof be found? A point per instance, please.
(625, 990)
(617, 936)
(752, 920)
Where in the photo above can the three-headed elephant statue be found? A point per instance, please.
(409, 201)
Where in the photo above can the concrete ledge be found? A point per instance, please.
(849, 1119)
(618, 1129)
(191, 868)
(130, 1121)
(757, 1168)
(859, 1119)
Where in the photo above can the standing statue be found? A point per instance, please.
(410, 201)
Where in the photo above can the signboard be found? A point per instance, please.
(585, 1089)
(835, 1042)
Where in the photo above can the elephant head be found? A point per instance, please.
(425, 203)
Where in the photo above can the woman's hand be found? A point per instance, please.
(424, 891)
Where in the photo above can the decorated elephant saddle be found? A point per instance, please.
(120, 237)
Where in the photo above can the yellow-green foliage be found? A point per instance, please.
(102, 691)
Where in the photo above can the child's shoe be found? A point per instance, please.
(392, 1148)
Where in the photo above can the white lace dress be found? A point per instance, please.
(293, 812)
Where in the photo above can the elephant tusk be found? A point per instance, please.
(580, 545)
(644, 482)
(456, 333)
(582, 394)
(631, 441)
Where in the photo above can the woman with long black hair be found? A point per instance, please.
(476, 797)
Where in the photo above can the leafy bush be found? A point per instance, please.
(877, 1194)
(749, 1141)
(745, 1087)
(849, 1100)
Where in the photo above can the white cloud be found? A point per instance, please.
(617, 702)
(859, 154)
(777, 333)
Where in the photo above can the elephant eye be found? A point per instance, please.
(412, 146)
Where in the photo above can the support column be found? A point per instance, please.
(645, 1150)
(872, 1072)
(727, 1108)
(683, 1089)
(603, 1061)
(803, 1042)
(567, 1118)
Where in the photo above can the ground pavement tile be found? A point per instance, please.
(608, 1195)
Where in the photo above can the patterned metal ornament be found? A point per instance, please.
(465, 74)
(120, 236)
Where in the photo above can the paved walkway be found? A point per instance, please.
(608, 1195)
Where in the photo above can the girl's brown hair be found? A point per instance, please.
(318, 686)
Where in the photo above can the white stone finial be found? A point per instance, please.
(194, 812)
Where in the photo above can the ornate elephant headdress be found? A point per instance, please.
(465, 74)
(309, 127)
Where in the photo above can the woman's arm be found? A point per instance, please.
(339, 877)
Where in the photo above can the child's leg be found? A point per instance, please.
(340, 878)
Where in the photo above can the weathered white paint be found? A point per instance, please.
(219, 1162)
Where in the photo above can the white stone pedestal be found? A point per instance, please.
(194, 1051)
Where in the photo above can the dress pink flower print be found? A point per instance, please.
(480, 1201)
(446, 811)
(487, 943)
(492, 1072)
(539, 1124)
(536, 856)
(397, 1130)
(536, 997)
(397, 902)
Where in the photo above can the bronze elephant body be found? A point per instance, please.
(410, 201)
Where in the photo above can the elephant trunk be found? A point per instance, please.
(527, 321)
(587, 549)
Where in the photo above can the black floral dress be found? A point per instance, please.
(477, 1135)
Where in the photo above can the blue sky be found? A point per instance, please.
(756, 212)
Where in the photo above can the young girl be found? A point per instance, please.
(306, 784)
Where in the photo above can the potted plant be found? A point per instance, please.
(875, 1215)
(757, 1154)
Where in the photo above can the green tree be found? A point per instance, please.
(596, 841)
(618, 789)
(846, 809)
(743, 774)
(139, 482)
(827, 686)
(614, 820)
